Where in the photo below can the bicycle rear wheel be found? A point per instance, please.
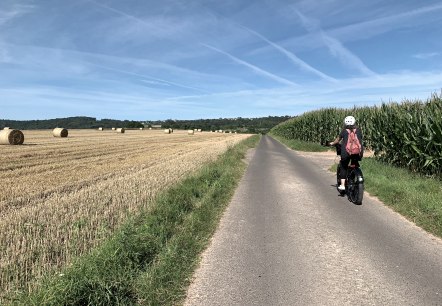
(356, 187)
(357, 193)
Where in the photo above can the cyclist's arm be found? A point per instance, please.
(336, 141)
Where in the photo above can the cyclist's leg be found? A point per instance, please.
(344, 167)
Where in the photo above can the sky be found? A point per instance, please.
(202, 59)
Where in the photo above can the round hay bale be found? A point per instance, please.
(60, 132)
(199, 130)
(114, 129)
(120, 130)
(141, 129)
(11, 137)
(190, 132)
(167, 131)
(100, 128)
(6, 128)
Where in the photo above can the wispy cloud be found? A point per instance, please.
(5, 56)
(393, 85)
(293, 58)
(54, 60)
(155, 83)
(253, 67)
(391, 22)
(351, 32)
(336, 48)
(153, 80)
(346, 57)
(120, 12)
(17, 10)
(426, 55)
(158, 26)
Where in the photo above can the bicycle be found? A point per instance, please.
(354, 182)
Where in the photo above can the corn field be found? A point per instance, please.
(61, 197)
(407, 134)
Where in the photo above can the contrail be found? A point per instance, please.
(119, 12)
(336, 48)
(254, 68)
(291, 56)
(152, 78)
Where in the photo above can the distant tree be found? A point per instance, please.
(134, 124)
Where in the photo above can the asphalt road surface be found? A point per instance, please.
(287, 238)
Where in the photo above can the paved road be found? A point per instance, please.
(288, 239)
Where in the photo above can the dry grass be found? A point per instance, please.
(64, 196)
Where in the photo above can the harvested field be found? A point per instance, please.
(61, 197)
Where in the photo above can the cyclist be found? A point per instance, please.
(349, 126)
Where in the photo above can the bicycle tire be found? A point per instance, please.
(356, 191)
(359, 193)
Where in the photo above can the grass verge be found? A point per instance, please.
(151, 259)
(414, 196)
(300, 145)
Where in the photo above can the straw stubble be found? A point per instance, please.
(68, 208)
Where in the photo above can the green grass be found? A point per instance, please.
(151, 259)
(416, 197)
(300, 145)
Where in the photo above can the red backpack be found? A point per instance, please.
(353, 145)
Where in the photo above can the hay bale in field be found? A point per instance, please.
(60, 132)
(141, 129)
(120, 130)
(11, 137)
(199, 130)
(100, 128)
(6, 128)
(190, 132)
(167, 131)
(114, 129)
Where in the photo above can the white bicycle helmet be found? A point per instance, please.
(349, 120)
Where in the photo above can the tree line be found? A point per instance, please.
(241, 125)
(69, 123)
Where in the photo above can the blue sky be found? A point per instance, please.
(191, 59)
